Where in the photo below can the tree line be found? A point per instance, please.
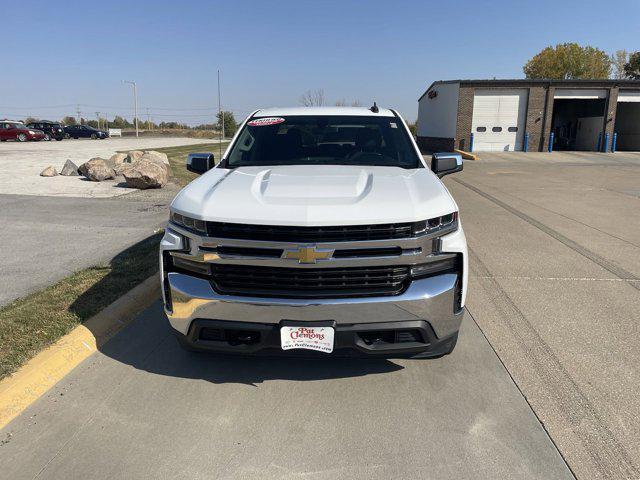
(569, 61)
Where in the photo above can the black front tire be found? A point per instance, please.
(58, 139)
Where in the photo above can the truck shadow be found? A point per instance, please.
(148, 344)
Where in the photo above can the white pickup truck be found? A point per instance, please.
(320, 230)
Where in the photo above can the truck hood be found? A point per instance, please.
(315, 195)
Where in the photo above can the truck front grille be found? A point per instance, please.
(313, 234)
(309, 282)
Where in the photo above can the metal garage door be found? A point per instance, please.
(629, 96)
(499, 119)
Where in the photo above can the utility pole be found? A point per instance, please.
(135, 102)
(78, 112)
(148, 121)
(220, 116)
(98, 117)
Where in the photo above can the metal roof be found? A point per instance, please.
(576, 83)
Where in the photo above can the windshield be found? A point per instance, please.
(324, 140)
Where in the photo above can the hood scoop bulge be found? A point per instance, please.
(310, 185)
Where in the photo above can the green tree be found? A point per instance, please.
(120, 122)
(568, 61)
(618, 61)
(230, 124)
(29, 120)
(69, 120)
(632, 67)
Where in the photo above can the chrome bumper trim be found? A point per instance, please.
(430, 299)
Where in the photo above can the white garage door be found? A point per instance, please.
(499, 119)
(629, 96)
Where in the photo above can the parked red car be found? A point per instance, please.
(18, 131)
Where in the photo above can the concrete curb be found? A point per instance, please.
(43, 371)
(467, 155)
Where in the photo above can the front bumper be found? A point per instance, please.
(426, 308)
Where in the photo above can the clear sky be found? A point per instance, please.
(59, 53)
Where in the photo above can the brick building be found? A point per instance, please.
(516, 115)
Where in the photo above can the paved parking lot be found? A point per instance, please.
(555, 287)
(548, 357)
(45, 239)
(21, 164)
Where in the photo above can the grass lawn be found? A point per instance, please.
(30, 324)
(178, 158)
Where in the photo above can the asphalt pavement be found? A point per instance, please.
(143, 408)
(44, 239)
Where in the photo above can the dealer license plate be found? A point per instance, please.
(308, 338)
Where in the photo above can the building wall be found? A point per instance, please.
(535, 117)
(465, 115)
(610, 116)
(437, 115)
(539, 111)
(435, 144)
(547, 120)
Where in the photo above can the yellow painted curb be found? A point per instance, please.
(467, 155)
(43, 371)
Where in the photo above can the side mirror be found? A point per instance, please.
(445, 163)
(200, 162)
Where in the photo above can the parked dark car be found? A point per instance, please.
(84, 131)
(51, 129)
(18, 131)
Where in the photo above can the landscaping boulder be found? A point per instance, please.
(119, 162)
(145, 174)
(158, 160)
(50, 171)
(133, 156)
(97, 170)
(118, 158)
(158, 155)
(70, 169)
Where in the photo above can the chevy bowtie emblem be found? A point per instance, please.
(307, 254)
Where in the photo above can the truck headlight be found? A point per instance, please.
(443, 224)
(189, 223)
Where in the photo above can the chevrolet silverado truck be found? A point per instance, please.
(320, 230)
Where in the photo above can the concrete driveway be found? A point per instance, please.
(555, 286)
(45, 238)
(550, 339)
(144, 409)
(21, 164)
